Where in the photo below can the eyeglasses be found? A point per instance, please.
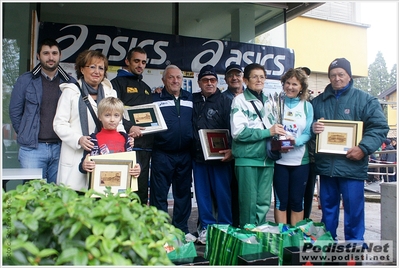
(206, 80)
(231, 75)
(94, 68)
(257, 77)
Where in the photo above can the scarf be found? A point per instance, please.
(87, 89)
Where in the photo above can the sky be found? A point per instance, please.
(383, 32)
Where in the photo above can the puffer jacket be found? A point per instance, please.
(355, 105)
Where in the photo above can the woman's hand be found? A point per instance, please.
(277, 129)
(85, 143)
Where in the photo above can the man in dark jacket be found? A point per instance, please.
(212, 178)
(132, 90)
(32, 108)
(344, 174)
(171, 154)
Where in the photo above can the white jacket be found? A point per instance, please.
(67, 126)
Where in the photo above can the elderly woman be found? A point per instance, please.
(73, 121)
(250, 127)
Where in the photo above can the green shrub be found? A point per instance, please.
(47, 224)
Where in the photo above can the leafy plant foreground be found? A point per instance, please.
(47, 224)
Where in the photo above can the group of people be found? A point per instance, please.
(60, 122)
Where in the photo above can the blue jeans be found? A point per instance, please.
(46, 156)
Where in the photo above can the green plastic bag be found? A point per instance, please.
(275, 237)
(185, 251)
(314, 232)
(216, 237)
(225, 243)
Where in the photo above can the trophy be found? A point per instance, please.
(279, 142)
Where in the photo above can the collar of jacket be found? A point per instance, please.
(249, 96)
(211, 98)
(166, 95)
(37, 72)
(126, 73)
(330, 92)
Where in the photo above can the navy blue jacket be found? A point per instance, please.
(210, 113)
(25, 105)
(179, 135)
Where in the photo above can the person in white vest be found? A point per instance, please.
(292, 170)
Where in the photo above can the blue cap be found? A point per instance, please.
(340, 63)
(207, 70)
(233, 66)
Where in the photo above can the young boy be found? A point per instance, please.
(109, 140)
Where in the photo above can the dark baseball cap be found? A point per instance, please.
(233, 67)
(207, 70)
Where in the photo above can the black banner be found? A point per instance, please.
(188, 53)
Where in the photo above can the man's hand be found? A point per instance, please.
(355, 153)
(318, 127)
(135, 131)
(228, 156)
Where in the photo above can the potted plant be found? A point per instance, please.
(48, 224)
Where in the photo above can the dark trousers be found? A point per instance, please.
(309, 192)
(234, 198)
(143, 158)
(172, 169)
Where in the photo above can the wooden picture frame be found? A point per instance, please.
(212, 141)
(146, 115)
(114, 162)
(110, 172)
(339, 136)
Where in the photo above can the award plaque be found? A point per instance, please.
(113, 170)
(279, 142)
(339, 136)
(146, 115)
(212, 141)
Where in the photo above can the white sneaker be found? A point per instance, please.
(202, 237)
(190, 238)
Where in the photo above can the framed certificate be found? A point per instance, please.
(148, 116)
(110, 172)
(339, 136)
(212, 141)
(113, 170)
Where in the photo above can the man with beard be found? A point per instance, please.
(32, 108)
(132, 90)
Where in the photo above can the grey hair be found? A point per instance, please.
(171, 67)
